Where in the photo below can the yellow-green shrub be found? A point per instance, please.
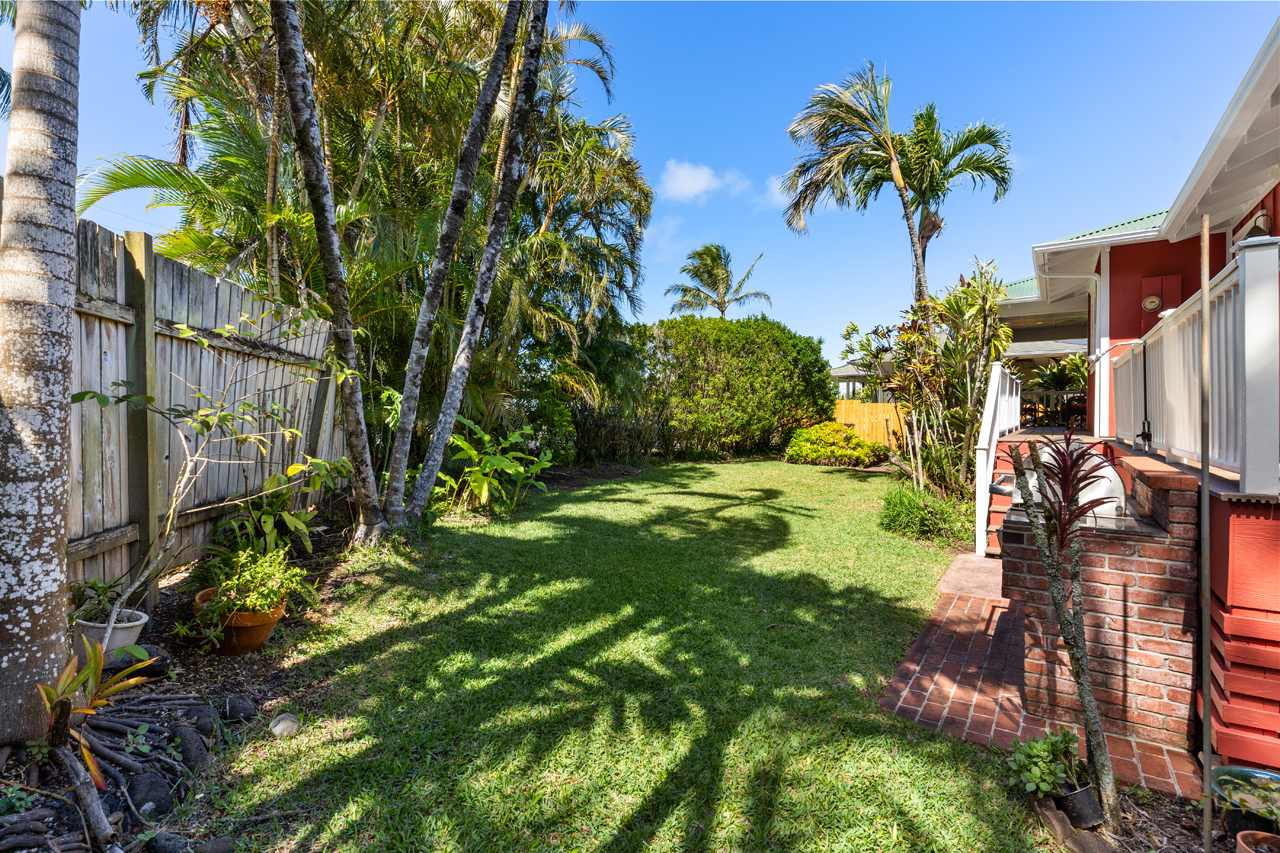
(834, 444)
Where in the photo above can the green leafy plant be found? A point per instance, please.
(921, 514)
(92, 600)
(15, 800)
(493, 473)
(834, 444)
(38, 750)
(1049, 765)
(246, 582)
(271, 520)
(136, 741)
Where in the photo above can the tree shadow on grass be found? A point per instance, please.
(620, 669)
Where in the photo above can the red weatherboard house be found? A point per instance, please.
(1127, 295)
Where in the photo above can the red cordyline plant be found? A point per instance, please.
(1064, 470)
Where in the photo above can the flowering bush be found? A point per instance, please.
(834, 444)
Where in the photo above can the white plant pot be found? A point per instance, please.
(125, 632)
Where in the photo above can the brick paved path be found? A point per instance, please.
(964, 676)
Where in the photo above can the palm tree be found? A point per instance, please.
(486, 272)
(852, 154)
(935, 160)
(450, 232)
(37, 297)
(713, 287)
(297, 77)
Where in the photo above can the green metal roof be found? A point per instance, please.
(1137, 223)
(1024, 288)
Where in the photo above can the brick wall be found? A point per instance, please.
(1140, 581)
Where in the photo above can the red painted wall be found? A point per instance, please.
(1132, 263)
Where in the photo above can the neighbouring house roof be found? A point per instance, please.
(847, 371)
(1044, 349)
(1023, 288)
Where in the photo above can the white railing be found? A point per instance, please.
(1158, 379)
(1000, 415)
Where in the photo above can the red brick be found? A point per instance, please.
(1167, 615)
(1155, 766)
(1126, 769)
(1165, 677)
(931, 713)
(1167, 552)
(1181, 665)
(1003, 739)
(1127, 564)
(1120, 748)
(1112, 578)
(1098, 545)
(1182, 531)
(1187, 515)
(1166, 647)
(1183, 585)
(1180, 498)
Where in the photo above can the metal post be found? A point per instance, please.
(1206, 685)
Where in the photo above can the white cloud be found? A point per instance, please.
(665, 239)
(693, 182)
(685, 181)
(773, 196)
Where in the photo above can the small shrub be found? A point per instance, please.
(1049, 765)
(834, 444)
(924, 515)
(245, 582)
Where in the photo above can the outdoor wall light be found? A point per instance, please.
(1258, 229)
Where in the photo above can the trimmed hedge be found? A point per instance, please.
(834, 444)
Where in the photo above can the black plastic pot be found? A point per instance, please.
(1081, 807)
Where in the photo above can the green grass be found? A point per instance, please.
(685, 660)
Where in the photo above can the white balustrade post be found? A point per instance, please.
(1259, 398)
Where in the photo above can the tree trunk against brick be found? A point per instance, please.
(1070, 616)
(306, 126)
(37, 301)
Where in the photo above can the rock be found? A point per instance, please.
(238, 709)
(159, 667)
(151, 795)
(195, 755)
(286, 725)
(203, 718)
(218, 845)
(167, 842)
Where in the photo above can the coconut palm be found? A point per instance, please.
(851, 154)
(37, 298)
(710, 267)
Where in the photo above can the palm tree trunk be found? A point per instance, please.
(273, 185)
(474, 324)
(450, 232)
(306, 128)
(503, 140)
(917, 250)
(37, 300)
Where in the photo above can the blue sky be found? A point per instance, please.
(1108, 105)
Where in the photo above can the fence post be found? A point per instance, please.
(145, 480)
(1260, 330)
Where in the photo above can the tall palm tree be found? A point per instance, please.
(712, 273)
(37, 298)
(935, 160)
(486, 272)
(851, 154)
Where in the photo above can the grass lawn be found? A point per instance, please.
(689, 659)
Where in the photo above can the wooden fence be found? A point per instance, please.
(125, 464)
(871, 421)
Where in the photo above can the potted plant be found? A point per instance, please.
(1250, 802)
(237, 614)
(1050, 766)
(91, 603)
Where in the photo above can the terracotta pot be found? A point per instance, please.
(242, 632)
(1251, 841)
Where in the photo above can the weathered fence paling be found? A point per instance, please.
(870, 421)
(125, 463)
